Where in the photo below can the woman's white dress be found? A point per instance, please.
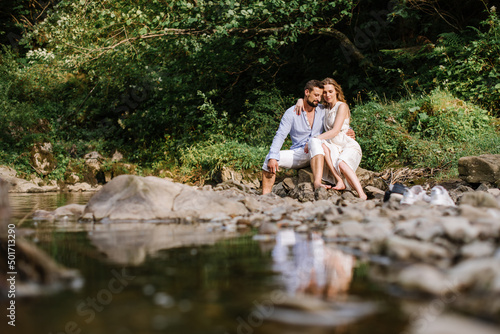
(342, 147)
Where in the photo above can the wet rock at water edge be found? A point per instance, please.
(130, 197)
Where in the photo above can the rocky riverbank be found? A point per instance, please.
(434, 250)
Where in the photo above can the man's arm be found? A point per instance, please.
(281, 134)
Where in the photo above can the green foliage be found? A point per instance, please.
(471, 71)
(212, 156)
(263, 115)
(433, 131)
(465, 63)
(203, 84)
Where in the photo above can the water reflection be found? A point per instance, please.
(132, 243)
(308, 266)
(24, 205)
(316, 279)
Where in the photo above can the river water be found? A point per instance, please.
(178, 278)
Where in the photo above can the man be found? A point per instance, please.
(301, 129)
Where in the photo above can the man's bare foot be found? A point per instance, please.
(340, 185)
(363, 196)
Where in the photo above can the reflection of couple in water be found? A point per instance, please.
(308, 266)
(320, 134)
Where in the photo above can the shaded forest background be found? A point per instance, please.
(193, 86)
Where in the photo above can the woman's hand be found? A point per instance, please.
(351, 133)
(299, 107)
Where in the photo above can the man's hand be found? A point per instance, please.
(351, 133)
(273, 166)
(306, 148)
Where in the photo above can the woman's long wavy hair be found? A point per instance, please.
(338, 89)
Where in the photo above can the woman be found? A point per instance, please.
(342, 153)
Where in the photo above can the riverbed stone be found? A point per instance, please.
(80, 187)
(369, 178)
(351, 229)
(459, 229)
(321, 194)
(480, 199)
(245, 178)
(304, 192)
(289, 184)
(494, 191)
(7, 172)
(305, 175)
(478, 249)
(472, 213)
(378, 231)
(407, 249)
(70, 210)
(489, 228)
(419, 228)
(433, 322)
(424, 278)
(252, 204)
(479, 274)
(374, 192)
(23, 186)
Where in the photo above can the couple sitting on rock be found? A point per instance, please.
(320, 134)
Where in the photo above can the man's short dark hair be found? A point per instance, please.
(313, 83)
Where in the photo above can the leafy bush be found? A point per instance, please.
(433, 131)
(465, 63)
(212, 156)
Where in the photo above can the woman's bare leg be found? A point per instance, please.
(353, 180)
(328, 160)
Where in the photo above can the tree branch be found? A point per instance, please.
(346, 43)
(341, 37)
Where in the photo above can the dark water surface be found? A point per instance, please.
(172, 278)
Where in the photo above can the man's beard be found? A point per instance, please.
(312, 104)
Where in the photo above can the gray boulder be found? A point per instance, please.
(479, 169)
(130, 197)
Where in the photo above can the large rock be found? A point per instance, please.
(246, 178)
(130, 197)
(369, 178)
(479, 169)
(42, 159)
(18, 185)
